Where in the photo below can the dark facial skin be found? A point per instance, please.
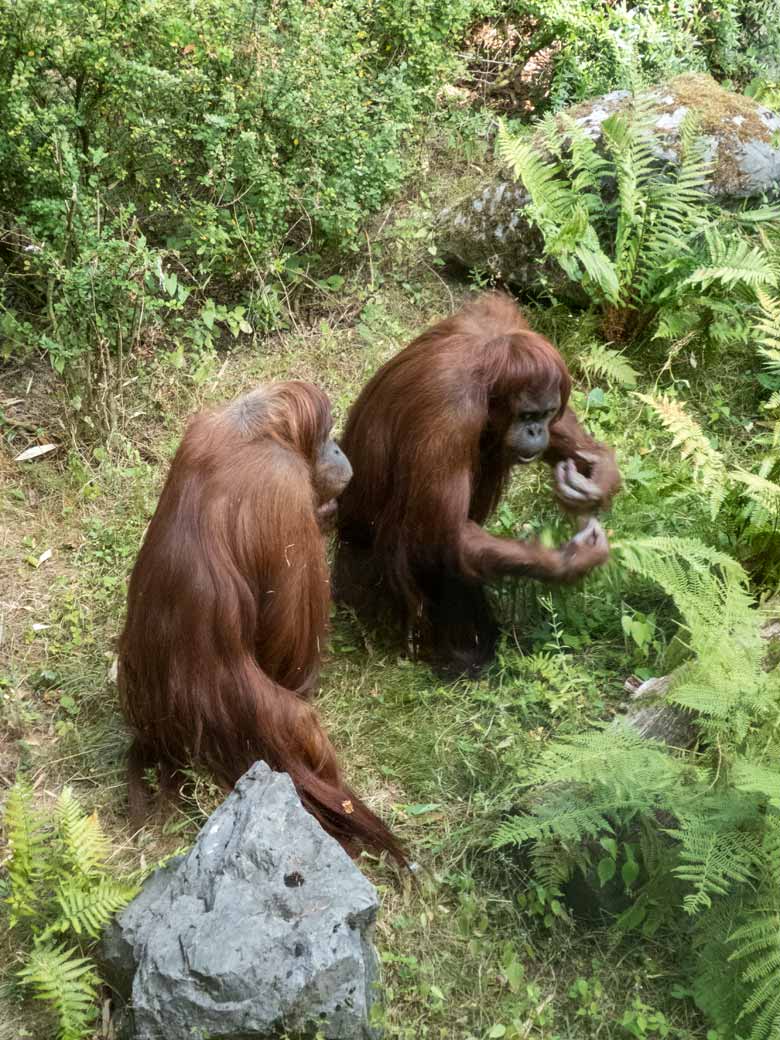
(529, 432)
(332, 473)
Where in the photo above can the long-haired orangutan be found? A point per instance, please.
(228, 608)
(432, 439)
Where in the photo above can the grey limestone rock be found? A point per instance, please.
(263, 929)
(654, 718)
(488, 228)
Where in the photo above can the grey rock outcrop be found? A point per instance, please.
(265, 927)
(655, 718)
(488, 227)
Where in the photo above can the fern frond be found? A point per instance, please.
(735, 261)
(712, 862)
(763, 492)
(549, 191)
(88, 909)
(709, 469)
(612, 365)
(615, 756)
(565, 822)
(767, 330)
(84, 845)
(29, 852)
(65, 980)
(585, 166)
(560, 213)
(758, 777)
(589, 779)
(552, 866)
(678, 207)
(758, 947)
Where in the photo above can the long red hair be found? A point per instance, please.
(424, 440)
(228, 609)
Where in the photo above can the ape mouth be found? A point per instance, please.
(524, 460)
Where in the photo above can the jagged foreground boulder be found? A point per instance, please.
(265, 925)
(488, 228)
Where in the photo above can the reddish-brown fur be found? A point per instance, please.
(228, 611)
(425, 439)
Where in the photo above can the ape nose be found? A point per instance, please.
(536, 431)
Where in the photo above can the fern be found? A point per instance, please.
(28, 846)
(735, 262)
(87, 910)
(678, 209)
(712, 862)
(760, 778)
(611, 365)
(645, 240)
(564, 822)
(561, 215)
(707, 586)
(767, 329)
(758, 946)
(552, 866)
(66, 981)
(59, 886)
(83, 843)
(624, 774)
(708, 467)
(762, 492)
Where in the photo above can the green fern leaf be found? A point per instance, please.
(88, 909)
(84, 844)
(66, 981)
(760, 778)
(611, 365)
(763, 492)
(767, 329)
(735, 262)
(709, 469)
(29, 850)
(712, 862)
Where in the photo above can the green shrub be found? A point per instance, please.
(211, 143)
(589, 47)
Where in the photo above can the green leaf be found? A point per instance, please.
(421, 809)
(515, 975)
(609, 845)
(606, 870)
(629, 872)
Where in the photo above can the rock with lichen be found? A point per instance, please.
(488, 228)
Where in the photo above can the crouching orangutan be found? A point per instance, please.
(432, 439)
(228, 608)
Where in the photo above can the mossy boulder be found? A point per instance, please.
(488, 229)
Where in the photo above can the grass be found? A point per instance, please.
(475, 949)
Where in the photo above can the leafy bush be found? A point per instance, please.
(139, 142)
(570, 50)
(647, 243)
(59, 898)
